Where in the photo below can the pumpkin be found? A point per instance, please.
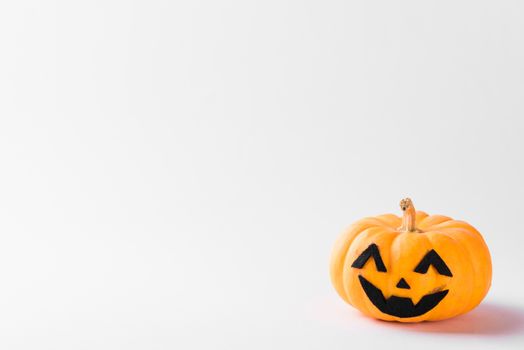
(415, 268)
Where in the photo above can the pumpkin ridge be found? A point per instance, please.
(461, 246)
(462, 225)
(385, 218)
(427, 226)
(477, 269)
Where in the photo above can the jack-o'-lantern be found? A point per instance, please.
(415, 268)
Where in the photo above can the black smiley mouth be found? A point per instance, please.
(400, 306)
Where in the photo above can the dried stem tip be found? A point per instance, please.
(408, 219)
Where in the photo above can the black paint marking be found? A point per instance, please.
(403, 284)
(432, 258)
(400, 306)
(371, 251)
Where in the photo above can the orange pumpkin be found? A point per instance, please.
(415, 268)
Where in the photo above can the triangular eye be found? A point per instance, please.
(432, 258)
(371, 251)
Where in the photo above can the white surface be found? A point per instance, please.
(173, 174)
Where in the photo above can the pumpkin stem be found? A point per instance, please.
(408, 219)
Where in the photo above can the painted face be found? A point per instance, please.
(413, 268)
(399, 306)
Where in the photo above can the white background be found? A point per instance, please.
(173, 174)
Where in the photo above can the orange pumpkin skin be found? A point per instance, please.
(402, 244)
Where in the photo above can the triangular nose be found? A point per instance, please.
(403, 284)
